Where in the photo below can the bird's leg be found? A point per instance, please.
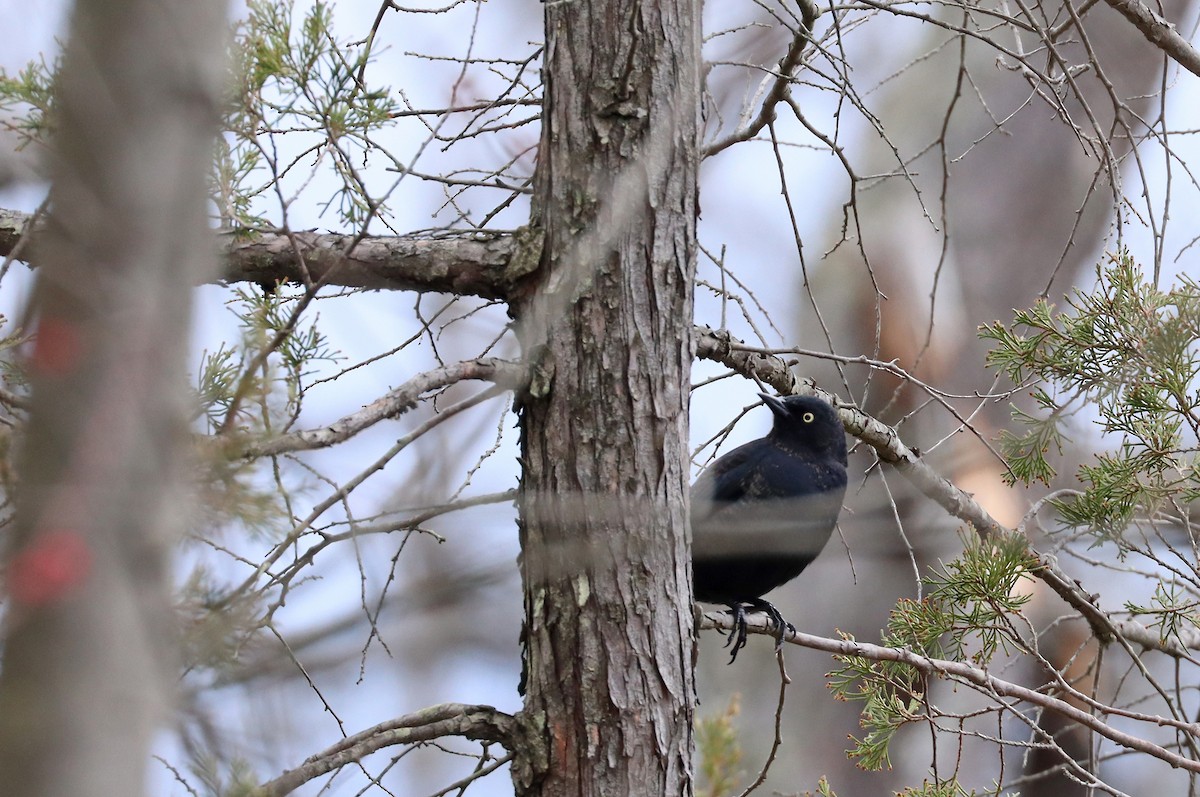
(737, 635)
(782, 626)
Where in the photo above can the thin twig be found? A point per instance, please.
(390, 405)
(784, 680)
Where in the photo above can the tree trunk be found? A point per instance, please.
(605, 544)
(88, 639)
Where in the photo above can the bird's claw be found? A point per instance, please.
(782, 626)
(737, 635)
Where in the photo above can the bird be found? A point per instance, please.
(761, 513)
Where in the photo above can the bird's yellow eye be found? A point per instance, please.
(809, 417)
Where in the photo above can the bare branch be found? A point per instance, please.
(780, 86)
(784, 681)
(395, 402)
(470, 264)
(967, 673)
(1160, 33)
(466, 264)
(478, 723)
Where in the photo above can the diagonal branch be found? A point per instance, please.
(780, 86)
(1159, 32)
(395, 402)
(18, 232)
(719, 346)
(478, 723)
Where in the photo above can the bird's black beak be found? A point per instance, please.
(778, 408)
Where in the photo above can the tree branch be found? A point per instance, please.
(478, 723)
(1160, 33)
(967, 673)
(780, 86)
(506, 374)
(469, 263)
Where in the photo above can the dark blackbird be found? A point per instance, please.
(765, 510)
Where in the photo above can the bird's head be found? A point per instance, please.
(807, 423)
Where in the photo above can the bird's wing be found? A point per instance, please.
(758, 498)
(725, 481)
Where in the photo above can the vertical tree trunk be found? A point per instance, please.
(605, 557)
(88, 637)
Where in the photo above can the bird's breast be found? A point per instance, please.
(799, 525)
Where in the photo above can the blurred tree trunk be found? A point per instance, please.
(88, 662)
(605, 560)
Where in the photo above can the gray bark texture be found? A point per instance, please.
(88, 641)
(605, 559)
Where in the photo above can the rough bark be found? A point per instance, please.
(604, 443)
(87, 650)
(465, 264)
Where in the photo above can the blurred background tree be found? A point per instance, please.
(879, 180)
